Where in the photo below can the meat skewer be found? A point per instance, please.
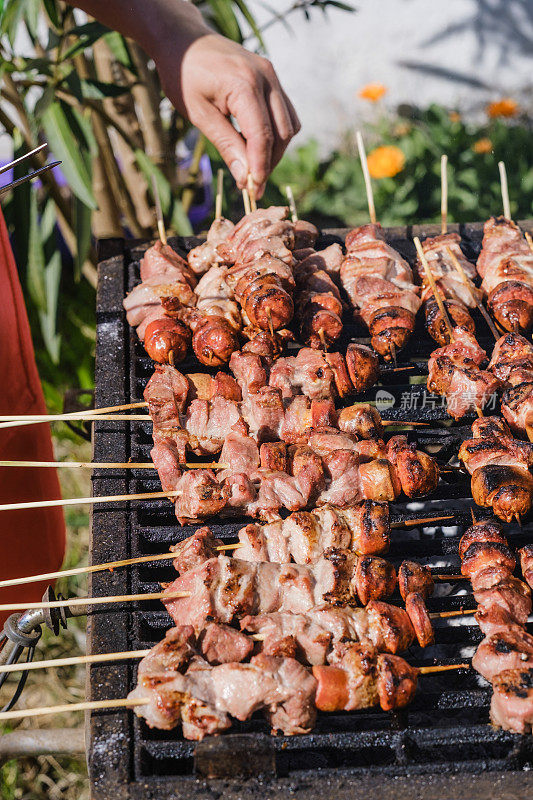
(500, 468)
(505, 656)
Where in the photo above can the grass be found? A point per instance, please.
(49, 777)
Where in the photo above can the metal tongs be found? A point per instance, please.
(31, 175)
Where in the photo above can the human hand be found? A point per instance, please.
(216, 78)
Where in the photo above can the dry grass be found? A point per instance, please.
(47, 777)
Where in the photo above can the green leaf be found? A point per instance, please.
(65, 146)
(50, 6)
(171, 206)
(250, 19)
(86, 35)
(36, 263)
(99, 90)
(48, 316)
(44, 101)
(120, 50)
(82, 227)
(224, 18)
(32, 17)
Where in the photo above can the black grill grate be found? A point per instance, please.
(444, 732)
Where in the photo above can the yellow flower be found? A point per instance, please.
(454, 116)
(506, 107)
(373, 92)
(385, 162)
(482, 146)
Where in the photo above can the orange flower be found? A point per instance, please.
(385, 162)
(506, 107)
(454, 116)
(372, 92)
(482, 146)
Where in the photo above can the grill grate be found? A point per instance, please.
(444, 732)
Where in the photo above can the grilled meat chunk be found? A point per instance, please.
(517, 407)
(511, 649)
(511, 707)
(512, 359)
(508, 490)
(418, 614)
(374, 579)
(526, 563)
(415, 577)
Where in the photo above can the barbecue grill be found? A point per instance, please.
(441, 745)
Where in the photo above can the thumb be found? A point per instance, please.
(227, 141)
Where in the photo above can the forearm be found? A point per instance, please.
(149, 23)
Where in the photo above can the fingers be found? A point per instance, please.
(282, 123)
(226, 139)
(249, 107)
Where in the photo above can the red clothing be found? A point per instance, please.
(31, 540)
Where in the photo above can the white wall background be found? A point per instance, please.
(459, 52)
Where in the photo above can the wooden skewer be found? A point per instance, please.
(366, 175)
(251, 192)
(292, 204)
(108, 464)
(323, 339)
(422, 521)
(219, 195)
(529, 431)
(103, 658)
(433, 285)
(246, 202)
(505, 190)
(473, 292)
(529, 240)
(93, 601)
(109, 565)
(442, 668)
(444, 194)
(159, 212)
(87, 705)
(460, 612)
(74, 501)
(131, 702)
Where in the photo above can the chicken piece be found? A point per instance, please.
(273, 456)
(172, 654)
(418, 614)
(291, 635)
(198, 495)
(204, 256)
(351, 683)
(511, 595)
(511, 649)
(167, 454)
(374, 579)
(508, 490)
(208, 422)
(489, 427)
(415, 577)
(511, 706)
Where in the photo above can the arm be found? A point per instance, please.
(209, 78)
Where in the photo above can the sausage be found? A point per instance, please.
(391, 325)
(511, 302)
(374, 579)
(267, 304)
(480, 554)
(337, 363)
(415, 577)
(397, 682)
(362, 420)
(214, 340)
(319, 325)
(436, 323)
(363, 366)
(508, 490)
(166, 340)
(482, 531)
(332, 688)
(420, 620)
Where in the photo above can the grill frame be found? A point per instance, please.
(348, 753)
